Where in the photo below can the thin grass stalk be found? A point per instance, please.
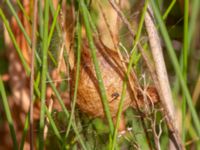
(53, 125)
(53, 12)
(83, 10)
(193, 20)
(44, 74)
(55, 16)
(185, 62)
(54, 23)
(37, 80)
(8, 114)
(21, 26)
(123, 94)
(165, 15)
(159, 3)
(40, 34)
(34, 29)
(176, 66)
(78, 32)
(54, 61)
(93, 27)
(18, 21)
(5, 21)
(66, 112)
(40, 16)
(24, 11)
(79, 137)
(24, 31)
(55, 129)
(36, 88)
(19, 52)
(57, 95)
(25, 15)
(25, 130)
(192, 24)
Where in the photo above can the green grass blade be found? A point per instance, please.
(8, 114)
(19, 51)
(44, 73)
(193, 19)
(169, 9)
(41, 22)
(53, 12)
(5, 21)
(40, 27)
(77, 76)
(185, 62)
(54, 23)
(83, 10)
(25, 131)
(53, 125)
(24, 11)
(20, 24)
(66, 112)
(18, 21)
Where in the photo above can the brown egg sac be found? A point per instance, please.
(88, 96)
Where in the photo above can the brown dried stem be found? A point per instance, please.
(32, 74)
(163, 82)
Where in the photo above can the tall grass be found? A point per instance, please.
(75, 134)
(176, 65)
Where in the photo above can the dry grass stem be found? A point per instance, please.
(165, 91)
(32, 74)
